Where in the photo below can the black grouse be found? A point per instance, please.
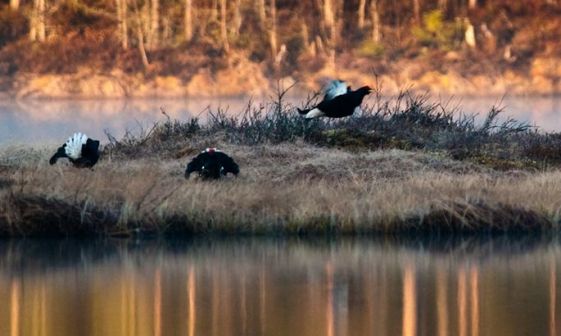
(82, 151)
(212, 164)
(339, 106)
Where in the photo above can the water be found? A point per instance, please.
(368, 286)
(36, 122)
(472, 286)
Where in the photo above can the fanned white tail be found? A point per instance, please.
(74, 145)
(335, 88)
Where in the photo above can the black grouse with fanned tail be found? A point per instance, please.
(212, 164)
(340, 106)
(82, 151)
(335, 88)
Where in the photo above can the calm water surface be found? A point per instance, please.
(34, 122)
(471, 286)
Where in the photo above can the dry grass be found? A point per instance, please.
(283, 189)
(406, 166)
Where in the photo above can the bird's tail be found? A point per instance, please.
(74, 145)
(303, 112)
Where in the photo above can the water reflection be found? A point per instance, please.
(39, 121)
(468, 286)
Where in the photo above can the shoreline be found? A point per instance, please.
(89, 84)
(7, 98)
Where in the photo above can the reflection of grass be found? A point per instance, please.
(392, 169)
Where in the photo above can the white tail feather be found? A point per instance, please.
(74, 145)
(314, 113)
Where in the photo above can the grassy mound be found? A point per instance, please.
(398, 167)
(407, 122)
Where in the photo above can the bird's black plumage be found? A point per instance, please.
(212, 164)
(86, 157)
(340, 106)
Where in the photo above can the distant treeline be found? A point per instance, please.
(161, 35)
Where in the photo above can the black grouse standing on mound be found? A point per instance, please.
(82, 151)
(212, 164)
(340, 106)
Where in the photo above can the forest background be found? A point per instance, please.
(174, 48)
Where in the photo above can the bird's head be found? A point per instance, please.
(365, 90)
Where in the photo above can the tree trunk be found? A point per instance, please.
(469, 35)
(361, 9)
(490, 40)
(140, 35)
(166, 31)
(261, 12)
(37, 21)
(41, 34)
(328, 16)
(330, 22)
(144, 17)
(237, 18)
(375, 21)
(122, 18)
(154, 23)
(306, 36)
(319, 45)
(202, 23)
(273, 32)
(188, 20)
(33, 22)
(443, 5)
(125, 27)
(223, 30)
(417, 11)
(14, 5)
(214, 10)
(141, 47)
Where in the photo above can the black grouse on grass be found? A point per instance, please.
(336, 103)
(212, 164)
(82, 151)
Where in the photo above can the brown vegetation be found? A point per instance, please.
(283, 189)
(415, 167)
